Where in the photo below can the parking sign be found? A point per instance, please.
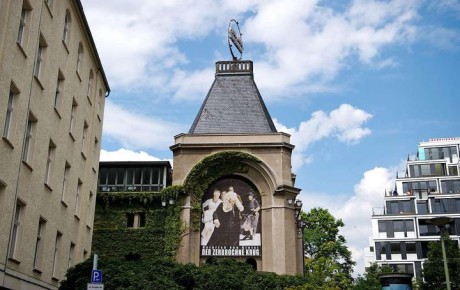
(96, 276)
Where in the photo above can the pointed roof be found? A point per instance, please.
(233, 103)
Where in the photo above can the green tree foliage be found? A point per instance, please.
(370, 279)
(433, 268)
(328, 263)
(223, 274)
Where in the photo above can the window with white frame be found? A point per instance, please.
(49, 162)
(71, 261)
(65, 181)
(79, 58)
(84, 136)
(77, 198)
(23, 23)
(39, 61)
(58, 93)
(16, 233)
(57, 246)
(66, 32)
(90, 85)
(98, 105)
(73, 116)
(39, 243)
(28, 139)
(89, 213)
(8, 127)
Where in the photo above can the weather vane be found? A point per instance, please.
(235, 37)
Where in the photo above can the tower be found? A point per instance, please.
(231, 156)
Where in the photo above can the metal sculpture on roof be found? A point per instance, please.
(235, 37)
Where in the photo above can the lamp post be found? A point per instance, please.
(441, 222)
(300, 224)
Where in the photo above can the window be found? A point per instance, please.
(71, 255)
(422, 207)
(39, 62)
(450, 186)
(28, 138)
(420, 187)
(84, 137)
(66, 32)
(77, 198)
(8, 127)
(382, 227)
(79, 58)
(400, 207)
(89, 215)
(39, 243)
(453, 170)
(23, 23)
(135, 220)
(73, 116)
(440, 153)
(65, 181)
(49, 161)
(98, 105)
(437, 169)
(57, 245)
(15, 236)
(58, 94)
(427, 229)
(96, 146)
(90, 85)
(395, 247)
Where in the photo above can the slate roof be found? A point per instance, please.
(233, 103)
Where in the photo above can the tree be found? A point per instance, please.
(433, 268)
(370, 279)
(328, 262)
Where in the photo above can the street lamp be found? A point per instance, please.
(300, 224)
(441, 222)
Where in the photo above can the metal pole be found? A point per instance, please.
(446, 270)
(95, 262)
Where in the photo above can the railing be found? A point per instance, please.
(378, 211)
(233, 66)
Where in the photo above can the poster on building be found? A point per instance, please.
(230, 220)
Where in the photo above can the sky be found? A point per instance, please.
(357, 84)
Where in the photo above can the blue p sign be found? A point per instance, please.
(96, 276)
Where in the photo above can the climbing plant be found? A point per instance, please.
(160, 237)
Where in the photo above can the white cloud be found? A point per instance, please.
(127, 155)
(305, 43)
(355, 211)
(136, 131)
(345, 123)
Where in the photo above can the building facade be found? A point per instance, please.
(430, 188)
(237, 170)
(52, 94)
(130, 217)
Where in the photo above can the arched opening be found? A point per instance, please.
(252, 262)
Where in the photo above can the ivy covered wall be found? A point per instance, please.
(157, 239)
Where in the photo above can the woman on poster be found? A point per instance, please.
(226, 219)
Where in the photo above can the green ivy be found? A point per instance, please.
(159, 238)
(209, 170)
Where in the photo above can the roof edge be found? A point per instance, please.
(91, 39)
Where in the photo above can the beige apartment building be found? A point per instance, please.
(52, 93)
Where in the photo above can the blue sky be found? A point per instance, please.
(357, 84)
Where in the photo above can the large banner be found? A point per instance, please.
(230, 221)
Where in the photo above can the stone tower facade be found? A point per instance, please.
(233, 150)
